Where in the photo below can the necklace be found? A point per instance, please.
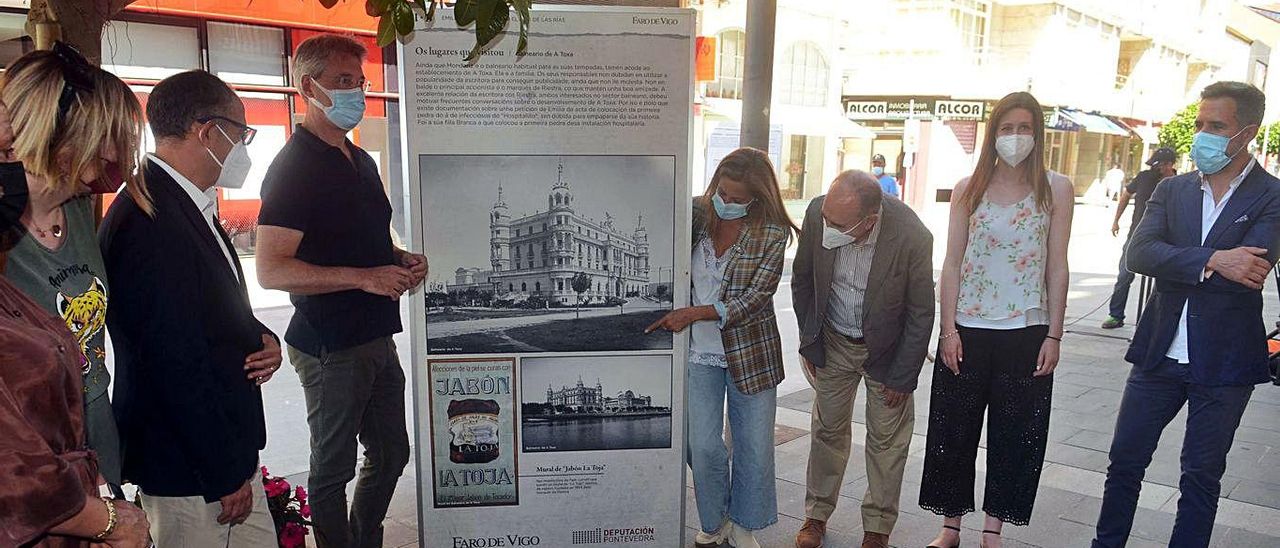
(55, 230)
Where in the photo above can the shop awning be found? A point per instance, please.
(1095, 123)
(1133, 133)
(818, 122)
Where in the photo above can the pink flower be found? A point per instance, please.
(301, 494)
(1021, 265)
(264, 472)
(276, 487)
(293, 535)
(305, 511)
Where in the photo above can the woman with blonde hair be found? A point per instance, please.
(78, 130)
(740, 234)
(1003, 295)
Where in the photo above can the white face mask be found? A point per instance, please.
(1013, 149)
(235, 168)
(832, 238)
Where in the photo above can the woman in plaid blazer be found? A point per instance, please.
(740, 235)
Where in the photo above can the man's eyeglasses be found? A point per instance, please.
(350, 82)
(77, 74)
(246, 133)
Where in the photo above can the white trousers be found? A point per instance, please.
(190, 522)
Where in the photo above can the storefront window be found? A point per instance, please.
(804, 73)
(247, 54)
(149, 51)
(795, 168)
(728, 85)
(13, 43)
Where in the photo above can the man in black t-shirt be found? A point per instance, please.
(1140, 189)
(324, 236)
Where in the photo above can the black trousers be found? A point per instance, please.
(995, 378)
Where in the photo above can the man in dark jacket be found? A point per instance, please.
(862, 287)
(190, 355)
(1140, 189)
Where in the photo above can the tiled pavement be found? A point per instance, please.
(1086, 395)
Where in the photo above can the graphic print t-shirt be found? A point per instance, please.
(70, 282)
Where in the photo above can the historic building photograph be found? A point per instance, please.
(548, 253)
(595, 403)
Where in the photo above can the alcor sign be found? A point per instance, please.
(960, 110)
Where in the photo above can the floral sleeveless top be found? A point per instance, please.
(1002, 277)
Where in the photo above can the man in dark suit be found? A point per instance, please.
(1209, 239)
(862, 288)
(190, 355)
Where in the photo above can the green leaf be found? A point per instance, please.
(386, 30)
(375, 8)
(328, 3)
(431, 13)
(464, 11)
(522, 8)
(491, 20)
(403, 15)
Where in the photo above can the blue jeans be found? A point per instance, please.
(1120, 293)
(749, 498)
(1152, 397)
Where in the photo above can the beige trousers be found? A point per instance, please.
(888, 437)
(190, 522)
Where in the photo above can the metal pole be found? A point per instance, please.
(757, 85)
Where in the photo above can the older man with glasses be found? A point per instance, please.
(324, 236)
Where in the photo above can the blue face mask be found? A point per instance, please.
(347, 106)
(1209, 151)
(877, 171)
(728, 211)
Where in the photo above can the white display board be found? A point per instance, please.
(550, 193)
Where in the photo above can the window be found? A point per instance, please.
(129, 49)
(804, 75)
(510, 288)
(14, 44)
(523, 286)
(247, 54)
(729, 61)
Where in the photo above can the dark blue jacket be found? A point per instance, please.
(190, 422)
(1226, 334)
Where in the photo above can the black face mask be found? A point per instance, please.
(13, 196)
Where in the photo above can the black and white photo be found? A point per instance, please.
(595, 403)
(548, 253)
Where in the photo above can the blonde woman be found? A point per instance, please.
(740, 234)
(78, 130)
(1003, 298)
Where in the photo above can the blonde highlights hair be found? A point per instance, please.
(752, 168)
(108, 116)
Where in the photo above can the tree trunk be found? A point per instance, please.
(76, 22)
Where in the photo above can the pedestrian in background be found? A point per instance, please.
(78, 133)
(344, 276)
(862, 286)
(1209, 238)
(1003, 298)
(740, 235)
(887, 182)
(1160, 167)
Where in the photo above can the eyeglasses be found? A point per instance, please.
(247, 133)
(345, 82)
(78, 75)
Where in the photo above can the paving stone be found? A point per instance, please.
(1255, 492)
(1088, 439)
(1078, 457)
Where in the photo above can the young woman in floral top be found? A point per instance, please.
(1003, 297)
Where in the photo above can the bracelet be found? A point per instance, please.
(1059, 339)
(948, 335)
(112, 520)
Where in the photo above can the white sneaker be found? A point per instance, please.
(741, 537)
(708, 540)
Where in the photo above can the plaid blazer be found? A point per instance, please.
(749, 327)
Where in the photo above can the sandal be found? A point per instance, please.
(956, 545)
(988, 532)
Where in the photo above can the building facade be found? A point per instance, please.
(541, 254)
(586, 399)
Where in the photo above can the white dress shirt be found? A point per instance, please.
(1209, 212)
(849, 283)
(206, 202)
